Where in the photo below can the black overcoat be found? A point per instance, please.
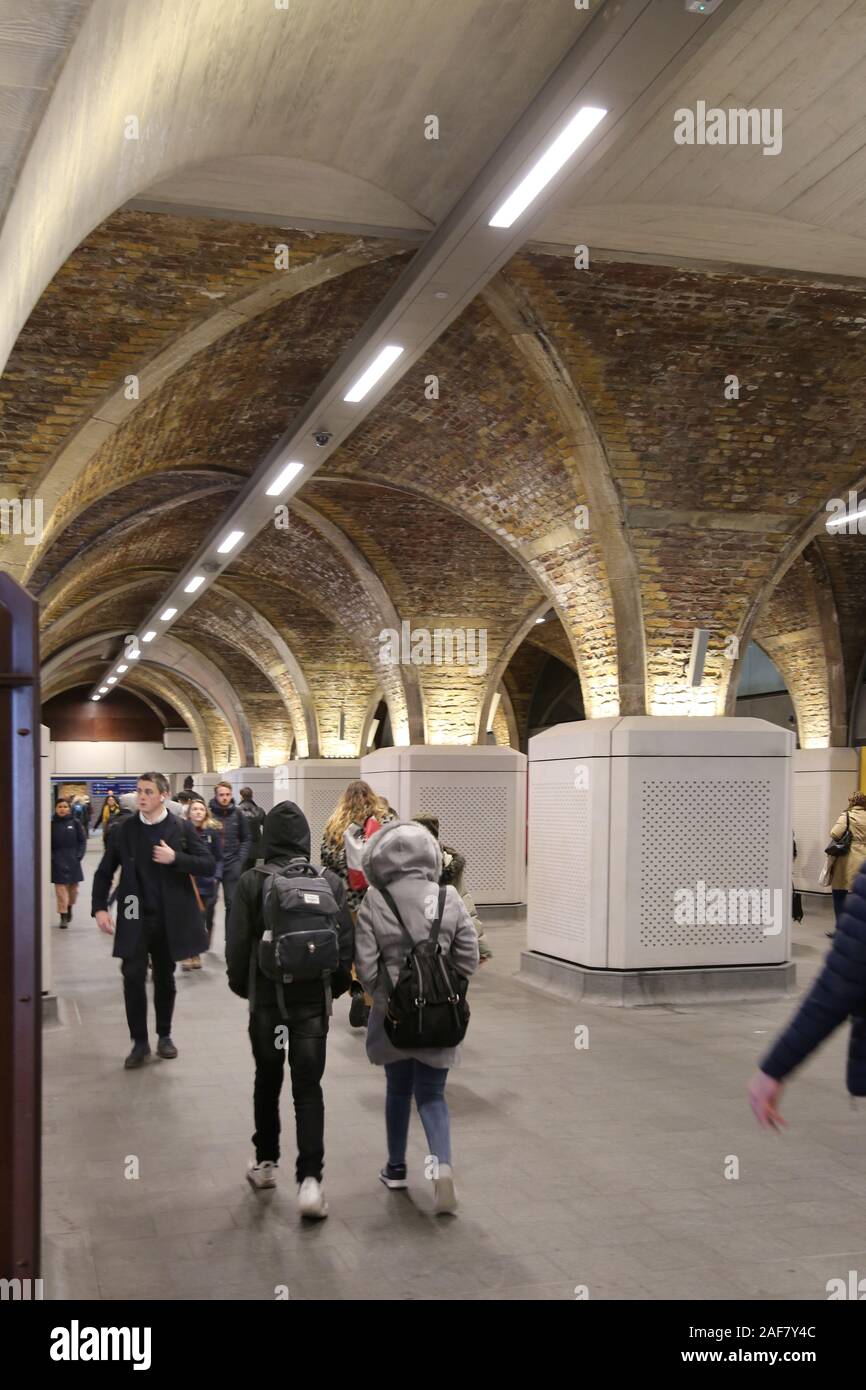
(184, 923)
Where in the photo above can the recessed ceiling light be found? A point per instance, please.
(194, 584)
(541, 620)
(96, 697)
(578, 129)
(376, 370)
(149, 636)
(169, 613)
(112, 680)
(230, 542)
(282, 480)
(121, 669)
(103, 690)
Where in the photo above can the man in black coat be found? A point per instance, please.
(286, 837)
(235, 837)
(158, 915)
(255, 819)
(838, 993)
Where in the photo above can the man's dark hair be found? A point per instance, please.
(183, 798)
(188, 783)
(246, 793)
(159, 780)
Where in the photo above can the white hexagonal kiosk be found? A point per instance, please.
(660, 858)
(316, 785)
(259, 779)
(479, 794)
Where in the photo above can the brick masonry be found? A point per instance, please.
(463, 507)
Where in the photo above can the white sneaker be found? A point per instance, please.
(262, 1174)
(444, 1191)
(311, 1199)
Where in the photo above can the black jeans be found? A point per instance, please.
(839, 896)
(153, 942)
(209, 905)
(231, 874)
(307, 1027)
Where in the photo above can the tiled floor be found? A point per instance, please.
(602, 1167)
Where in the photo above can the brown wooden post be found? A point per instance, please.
(20, 935)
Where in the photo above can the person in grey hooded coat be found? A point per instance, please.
(405, 858)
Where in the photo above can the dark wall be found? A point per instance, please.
(74, 717)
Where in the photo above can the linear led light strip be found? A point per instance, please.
(279, 485)
(557, 154)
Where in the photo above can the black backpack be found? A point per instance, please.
(427, 1006)
(301, 938)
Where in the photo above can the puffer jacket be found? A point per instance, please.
(838, 993)
(68, 844)
(255, 819)
(404, 858)
(848, 865)
(234, 833)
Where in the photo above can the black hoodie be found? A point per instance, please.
(285, 836)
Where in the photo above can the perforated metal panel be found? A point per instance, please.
(474, 819)
(716, 831)
(560, 846)
(809, 812)
(321, 801)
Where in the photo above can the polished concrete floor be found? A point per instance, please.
(601, 1167)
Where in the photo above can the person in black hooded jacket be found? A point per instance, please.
(286, 837)
(838, 993)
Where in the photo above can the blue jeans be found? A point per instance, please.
(427, 1084)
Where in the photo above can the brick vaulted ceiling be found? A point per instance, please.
(581, 456)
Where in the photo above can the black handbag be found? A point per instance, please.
(840, 845)
(427, 1006)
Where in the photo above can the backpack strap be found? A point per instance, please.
(440, 908)
(434, 931)
(396, 911)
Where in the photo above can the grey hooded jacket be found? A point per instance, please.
(404, 858)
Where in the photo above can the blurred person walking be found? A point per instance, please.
(358, 814)
(206, 885)
(847, 849)
(157, 854)
(234, 836)
(68, 846)
(255, 818)
(108, 812)
(285, 913)
(402, 908)
(454, 872)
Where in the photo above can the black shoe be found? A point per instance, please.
(64, 920)
(166, 1048)
(359, 1012)
(394, 1176)
(137, 1055)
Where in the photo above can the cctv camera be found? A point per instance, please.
(322, 437)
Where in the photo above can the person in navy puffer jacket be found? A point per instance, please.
(68, 844)
(234, 837)
(838, 993)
